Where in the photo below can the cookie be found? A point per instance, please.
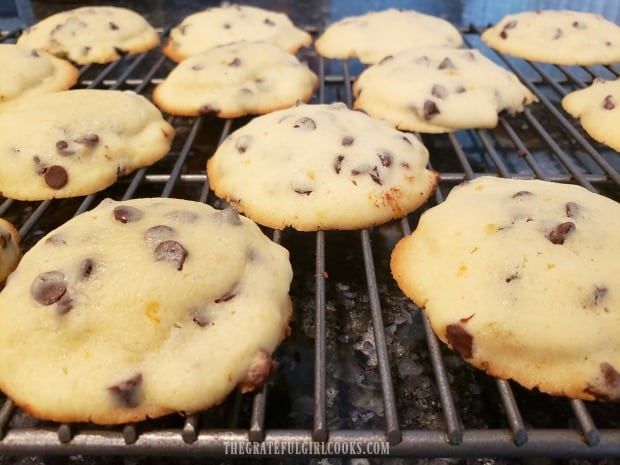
(25, 72)
(91, 34)
(317, 167)
(374, 35)
(235, 80)
(10, 252)
(439, 90)
(521, 278)
(77, 142)
(232, 23)
(141, 308)
(562, 37)
(598, 109)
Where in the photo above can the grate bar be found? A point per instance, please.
(256, 432)
(512, 411)
(189, 433)
(319, 432)
(501, 167)
(391, 417)
(6, 411)
(178, 165)
(585, 421)
(460, 154)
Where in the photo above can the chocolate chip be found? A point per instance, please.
(228, 216)
(338, 163)
(269, 22)
(460, 340)
(430, 109)
(374, 175)
(87, 267)
(519, 194)
(199, 318)
(5, 239)
(226, 26)
(303, 191)
(208, 109)
(579, 25)
(385, 59)
(609, 102)
(55, 176)
(120, 171)
(439, 91)
(113, 26)
(347, 140)
(38, 165)
(47, 288)
(127, 392)
(198, 67)
(62, 148)
(90, 140)
(55, 239)
(228, 295)
(558, 234)
(120, 52)
(158, 234)
(598, 294)
(512, 277)
(607, 388)
(446, 63)
(127, 214)
(64, 305)
(509, 25)
(172, 252)
(305, 123)
(572, 209)
(406, 139)
(385, 157)
(459, 89)
(236, 62)
(85, 50)
(558, 34)
(242, 143)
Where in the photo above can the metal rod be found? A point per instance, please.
(515, 421)
(319, 432)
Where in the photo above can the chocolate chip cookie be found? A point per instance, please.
(522, 279)
(77, 142)
(323, 166)
(235, 80)
(140, 308)
(10, 252)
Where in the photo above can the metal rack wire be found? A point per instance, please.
(541, 143)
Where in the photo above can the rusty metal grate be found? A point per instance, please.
(346, 372)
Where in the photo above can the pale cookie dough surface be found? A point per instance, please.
(92, 34)
(235, 80)
(25, 72)
(521, 277)
(556, 36)
(232, 23)
(374, 35)
(439, 90)
(598, 110)
(318, 167)
(141, 308)
(77, 142)
(10, 252)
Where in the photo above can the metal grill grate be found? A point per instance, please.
(348, 316)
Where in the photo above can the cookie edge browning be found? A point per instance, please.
(16, 239)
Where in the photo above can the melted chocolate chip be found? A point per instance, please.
(242, 143)
(228, 295)
(459, 89)
(127, 214)
(520, 194)
(89, 140)
(558, 234)
(385, 157)
(226, 26)
(236, 62)
(47, 288)
(113, 26)
(558, 34)
(303, 191)
(64, 305)
(347, 140)
(439, 91)
(430, 109)
(385, 59)
(572, 209)
(86, 50)
(598, 294)
(38, 165)
(62, 147)
(609, 103)
(374, 175)
(460, 340)
(158, 234)
(579, 25)
(87, 267)
(305, 123)
(55, 239)
(208, 109)
(406, 139)
(199, 318)
(120, 52)
(269, 22)
(446, 63)
(607, 386)
(127, 392)
(509, 25)
(512, 277)
(197, 67)
(172, 252)
(338, 163)
(55, 176)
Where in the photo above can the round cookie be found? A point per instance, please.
(77, 142)
(141, 308)
(91, 34)
(234, 80)
(232, 23)
(562, 37)
(521, 278)
(317, 167)
(9, 249)
(25, 72)
(374, 35)
(598, 109)
(439, 90)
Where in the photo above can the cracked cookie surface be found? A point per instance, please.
(521, 278)
(140, 308)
